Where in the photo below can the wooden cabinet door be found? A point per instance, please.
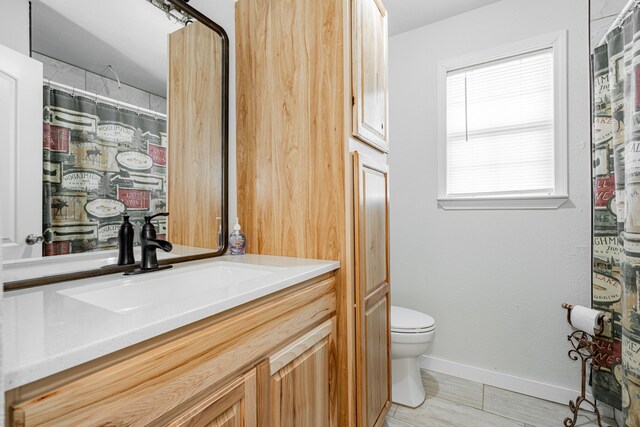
(373, 339)
(369, 72)
(303, 380)
(234, 405)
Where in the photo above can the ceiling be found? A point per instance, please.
(129, 35)
(405, 15)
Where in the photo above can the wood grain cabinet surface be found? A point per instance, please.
(232, 406)
(373, 323)
(311, 87)
(195, 131)
(303, 380)
(210, 373)
(369, 68)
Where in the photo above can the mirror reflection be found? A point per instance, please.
(112, 145)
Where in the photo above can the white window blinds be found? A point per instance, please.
(499, 127)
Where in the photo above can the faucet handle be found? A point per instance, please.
(149, 218)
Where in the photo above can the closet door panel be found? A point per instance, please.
(376, 361)
(373, 339)
(375, 244)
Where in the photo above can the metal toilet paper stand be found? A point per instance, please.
(585, 348)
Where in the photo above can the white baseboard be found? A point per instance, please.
(504, 381)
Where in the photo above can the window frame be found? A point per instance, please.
(558, 43)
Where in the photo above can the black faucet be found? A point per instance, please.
(149, 244)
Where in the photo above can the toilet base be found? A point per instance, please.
(407, 388)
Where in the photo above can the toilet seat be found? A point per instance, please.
(407, 321)
(412, 331)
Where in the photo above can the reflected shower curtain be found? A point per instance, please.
(99, 161)
(616, 216)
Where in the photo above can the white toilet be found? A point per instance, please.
(412, 333)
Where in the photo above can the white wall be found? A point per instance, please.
(14, 31)
(493, 280)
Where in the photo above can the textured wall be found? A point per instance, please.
(493, 280)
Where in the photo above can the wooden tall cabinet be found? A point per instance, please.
(296, 111)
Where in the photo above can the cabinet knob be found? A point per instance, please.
(33, 239)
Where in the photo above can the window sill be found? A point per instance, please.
(480, 203)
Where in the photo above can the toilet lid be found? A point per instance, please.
(407, 320)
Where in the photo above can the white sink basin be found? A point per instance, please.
(198, 285)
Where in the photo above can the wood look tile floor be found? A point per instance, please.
(453, 402)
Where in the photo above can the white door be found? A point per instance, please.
(20, 153)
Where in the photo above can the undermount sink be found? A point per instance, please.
(198, 284)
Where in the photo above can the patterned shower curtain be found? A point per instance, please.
(616, 216)
(99, 161)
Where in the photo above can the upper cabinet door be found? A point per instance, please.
(369, 68)
(21, 155)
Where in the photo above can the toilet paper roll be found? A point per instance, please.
(585, 319)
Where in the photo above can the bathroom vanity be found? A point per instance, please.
(226, 342)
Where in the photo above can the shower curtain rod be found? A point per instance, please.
(621, 16)
(72, 90)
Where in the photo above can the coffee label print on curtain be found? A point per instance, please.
(607, 248)
(616, 256)
(99, 162)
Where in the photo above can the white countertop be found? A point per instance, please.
(52, 328)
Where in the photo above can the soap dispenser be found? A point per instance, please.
(125, 242)
(237, 240)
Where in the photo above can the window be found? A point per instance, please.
(503, 127)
